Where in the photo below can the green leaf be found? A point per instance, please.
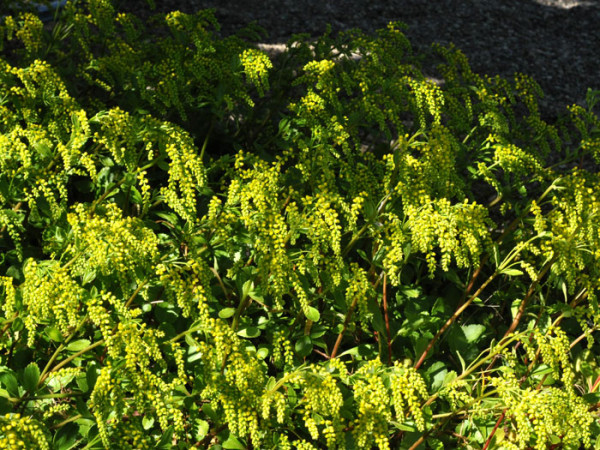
(54, 334)
(541, 370)
(202, 428)
(262, 352)
(226, 313)
(85, 425)
(232, 443)
(88, 277)
(462, 360)
(437, 372)
(409, 425)
(147, 422)
(166, 439)
(249, 332)
(91, 375)
(473, 332)
(411, 293)
(17, 325)
(246, 288)
(512, 272)
(449, 378)
(313, 314)
(165, 313)
(514, 308)
(77, 346)
(31, 377)
(82, 383)
(10, 383)
(304, 346)
(210, 412)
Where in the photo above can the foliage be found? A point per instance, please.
(204, 246)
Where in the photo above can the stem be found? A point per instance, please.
(498, 422)
(365, 227)
(454, 316)
(387, 320)
(355, 238)
(238, 312)
(136, 292)
(60, 348)
(216, 274)
(66, 421)
(61, 395)
(595, 385)
(184, 333)
(530, 292)
(336, 347)
(69, 359)
(205, 143)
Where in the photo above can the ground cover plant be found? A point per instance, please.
(204, 246)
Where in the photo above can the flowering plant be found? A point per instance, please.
(203, 246)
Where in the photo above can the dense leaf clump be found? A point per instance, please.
(206, 246)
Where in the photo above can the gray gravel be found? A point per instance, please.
(555, 41)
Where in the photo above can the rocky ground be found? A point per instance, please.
(555, 41)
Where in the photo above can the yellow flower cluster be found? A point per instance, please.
(539, 415)
(118, 134)
(360, 290)
(457, 392)
(373, 412)
(322, 397)
(324, 228)
(408, 388)
(108, 242)
(29, 31)
(283, 355)
(11, 222)
(394, 237)
(554, 347)
(428, 98)
(21, 432)
(517, 161)
(572, 231)
(258, 195)
(56, 408)
(131, 435)
(239, 390)
(312, 104)
(134, 354)
(256, 67)
(182, 284)
(50, 294)
(9, 304)
(460, 231)
(102, 15)
(186, 172)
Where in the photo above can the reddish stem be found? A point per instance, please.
(336, 347)
(451, 320)
(498, 422)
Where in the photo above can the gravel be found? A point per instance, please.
(555, 41)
